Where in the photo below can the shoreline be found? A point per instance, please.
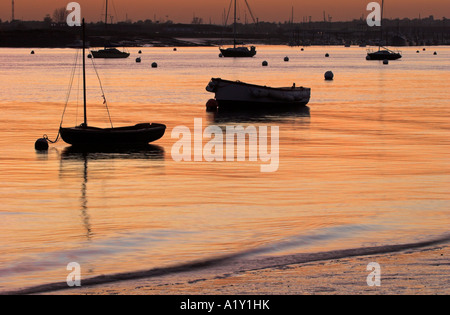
(418, 271)
(271, 274)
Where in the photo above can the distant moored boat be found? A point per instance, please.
(383, 53)
(108, 52)
(112, 53)
(235, 51)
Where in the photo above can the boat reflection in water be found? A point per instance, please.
(72, 156)
(266, 115)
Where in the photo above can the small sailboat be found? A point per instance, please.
(109, 52)
(237, 51)
(383, 53)
(87, 136)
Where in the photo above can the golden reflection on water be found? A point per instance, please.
(370, 157)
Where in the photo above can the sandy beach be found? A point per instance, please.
(418, 271)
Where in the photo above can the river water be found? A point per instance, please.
(366, 164)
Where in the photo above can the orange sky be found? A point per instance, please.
(265, 10)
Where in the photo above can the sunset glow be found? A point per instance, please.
(181, 11)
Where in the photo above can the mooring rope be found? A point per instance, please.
(105, 102)
(67, 101)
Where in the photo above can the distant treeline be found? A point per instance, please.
(398, 32)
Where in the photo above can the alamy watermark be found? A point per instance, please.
(74, 17)
(374, 17)
(227, 145)
(374, 277)
(74, 277)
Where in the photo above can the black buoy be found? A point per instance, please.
(140, 52)
(286, 58)
(41, 144)
(435, 53)
(424, 49)
(138, 60)
(327, 55)
(212, 105)
(32, 52)
(329, 76)
(174, 49)
(265, 63)
(89, 56)
(417, 51)
(154, 65)
(302, 49)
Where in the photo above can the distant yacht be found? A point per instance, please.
(383, 53)
(236, 51)
(109, 52)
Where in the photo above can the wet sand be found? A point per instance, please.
(413, 271)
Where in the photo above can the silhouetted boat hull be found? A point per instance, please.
(237, 52)
(110, 53)
(138, 135)
(236, 94)
(383, 55)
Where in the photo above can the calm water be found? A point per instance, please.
(368, 165)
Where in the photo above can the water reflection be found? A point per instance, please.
(275, 115)
(71, 154)
(84, 202)
(150, 152)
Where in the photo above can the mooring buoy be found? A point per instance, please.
(41, 144)
(329, 75)
(435, 53)
(212, 105)
(138, 60)
(140, 52)
(286, 59)
(327, 55)
(265, 63)
(154, 65)
(32, 52)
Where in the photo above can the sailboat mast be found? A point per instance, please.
(106, 13)
(84, 74)
(235, 19)
(381, 24)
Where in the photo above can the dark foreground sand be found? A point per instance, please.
(415, 271)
